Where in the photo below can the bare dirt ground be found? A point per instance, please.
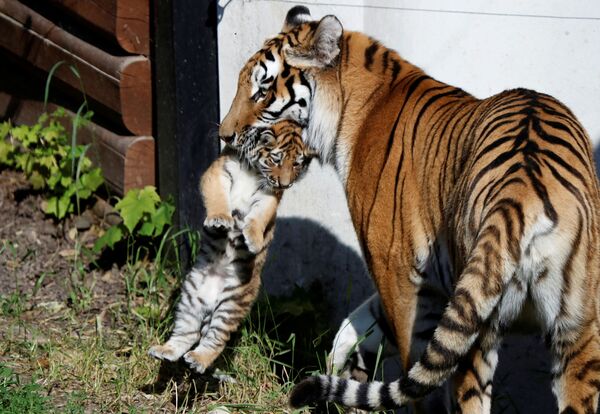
(38, 254)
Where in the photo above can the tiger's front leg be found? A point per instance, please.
(363, 332)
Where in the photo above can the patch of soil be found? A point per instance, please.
(44, 260)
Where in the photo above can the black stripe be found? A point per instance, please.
(471, 393)
(385, 60)
(395, 71)
(362, 396)
(385, 397)
(369, 53)
(340, 389)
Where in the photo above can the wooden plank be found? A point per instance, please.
(121, 84)
(127, 161)
(127, 21)
(186, 76)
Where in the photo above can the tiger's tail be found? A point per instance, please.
(477, 293)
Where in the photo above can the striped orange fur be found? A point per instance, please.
(504, 187)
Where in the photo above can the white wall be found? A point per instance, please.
(483, 47)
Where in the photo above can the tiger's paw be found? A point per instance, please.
(254, 239)
(219, 222)
(196, 361)
(163, 352)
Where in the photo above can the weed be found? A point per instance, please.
(50, 161)
(19, 397)
(143, 214)
(11, 305)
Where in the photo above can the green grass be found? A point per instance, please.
(18, 397)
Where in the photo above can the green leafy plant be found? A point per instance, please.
(50, 161)
(144, 214)
(17, 396)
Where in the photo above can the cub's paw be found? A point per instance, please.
(196, 361)
(163, 352)
(254, 239)
(219, 222)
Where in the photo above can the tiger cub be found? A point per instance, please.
(241, 199)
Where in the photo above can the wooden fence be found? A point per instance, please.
(105, 47)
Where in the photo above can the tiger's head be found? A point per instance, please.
(279, 81)
(278, 154)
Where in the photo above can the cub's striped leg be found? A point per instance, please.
(234, 303)
(577, 370)
(191, 309)
(228, 314)
(188, 319)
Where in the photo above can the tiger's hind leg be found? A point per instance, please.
(577, 372)
(473, 380)
(479, 290)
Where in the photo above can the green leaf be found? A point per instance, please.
(162, 217)
(20, 133)
(37, 181)
(135, 203)
(4, 129)
(92, 180)
(53, 180)
(59, 206)
(52, 206)
(65, 180)
(6, 151)
(113, 235)
(147, 229)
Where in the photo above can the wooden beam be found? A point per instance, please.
(127, 21)
(127, 161)
(122, 84)
(187, 112)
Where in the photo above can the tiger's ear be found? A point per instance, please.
(322, 49)
(295, 17)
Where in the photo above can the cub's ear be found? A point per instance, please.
(322, 48)
(295, 17)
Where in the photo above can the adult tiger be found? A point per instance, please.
(504, 186)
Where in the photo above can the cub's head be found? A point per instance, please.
(279, 154)
(278, 82)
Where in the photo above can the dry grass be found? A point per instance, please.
(96, 361)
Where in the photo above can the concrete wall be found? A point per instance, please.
(481, 46)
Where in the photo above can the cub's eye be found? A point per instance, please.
(299, 161)
(260, 94)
